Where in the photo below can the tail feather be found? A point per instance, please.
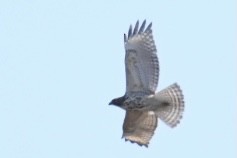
(172, 107)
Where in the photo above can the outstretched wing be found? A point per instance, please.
(141, 62)
(139, 126)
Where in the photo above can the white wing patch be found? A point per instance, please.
(151, 112)
(132, 64)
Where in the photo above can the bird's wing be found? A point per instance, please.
(141, 62)
(139, 126)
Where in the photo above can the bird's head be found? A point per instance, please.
(117, 101)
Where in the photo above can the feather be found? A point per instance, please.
(142, 27)
(136, 28)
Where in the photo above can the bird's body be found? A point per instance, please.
(142, 104)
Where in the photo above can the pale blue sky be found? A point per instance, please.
(61, 62)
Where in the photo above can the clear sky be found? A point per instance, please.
(61, 62)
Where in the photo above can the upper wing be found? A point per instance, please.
(139, 126)
(141, 62)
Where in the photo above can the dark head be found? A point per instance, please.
(117, 101)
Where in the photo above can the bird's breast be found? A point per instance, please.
(135, 103)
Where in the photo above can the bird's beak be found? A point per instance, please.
(110, 103)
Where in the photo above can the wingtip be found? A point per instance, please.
(125, 37)
(130, 31)
(142, 27)
(149, 27)
(139, 144)
(131, 141)
(136, 28)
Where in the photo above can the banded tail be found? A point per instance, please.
(172, 102)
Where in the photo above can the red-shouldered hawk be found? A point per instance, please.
(142, 104)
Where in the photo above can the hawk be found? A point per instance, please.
(142, 104)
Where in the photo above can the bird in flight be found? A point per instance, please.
(142, 104)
